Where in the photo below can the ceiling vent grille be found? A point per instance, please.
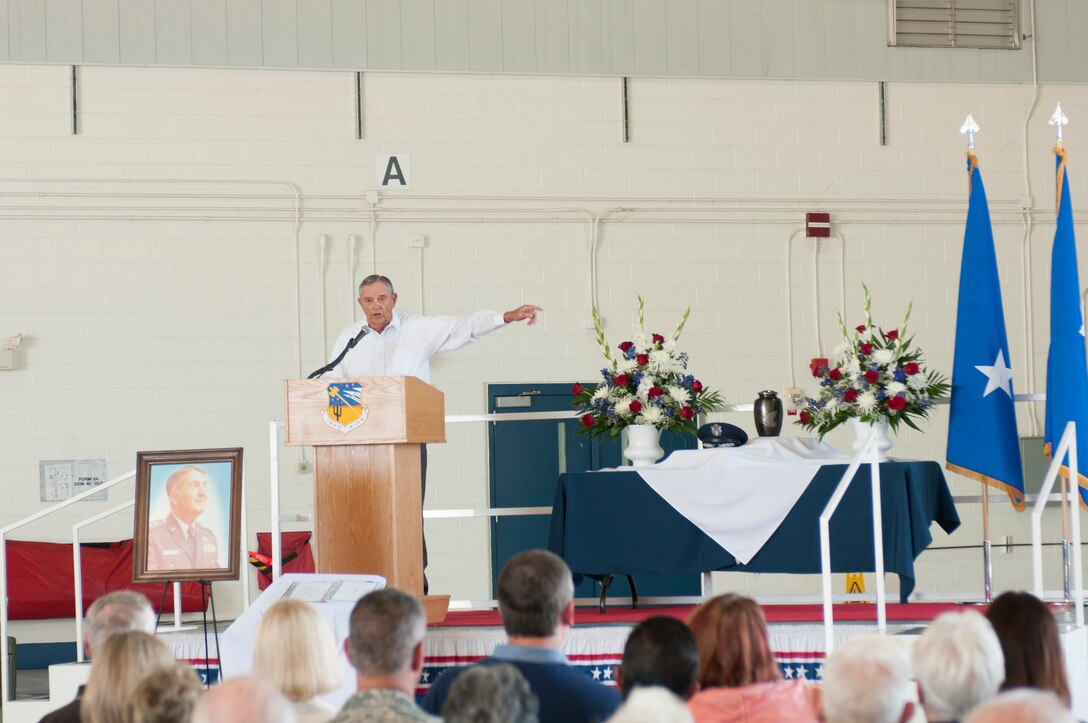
(954, 24)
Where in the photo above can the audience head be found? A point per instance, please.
(652, 704)
(536, 590)
(243, 700)
(868, 680)
(119, 664)
(958, 664)
(1029, 638)
(313, 666)
(386, 636)
(491, 694)
(1023, 705)
(660, 651)
(734, 649)
(116, 612)
(166, 696)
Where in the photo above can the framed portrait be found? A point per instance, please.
(188, 514)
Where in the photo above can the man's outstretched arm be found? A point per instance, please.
(526, 311)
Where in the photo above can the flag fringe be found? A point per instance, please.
(1015, 495)
(1064, 472)
(1061, 178)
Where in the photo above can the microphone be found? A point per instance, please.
(340, 357)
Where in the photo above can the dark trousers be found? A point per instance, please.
(422, 496)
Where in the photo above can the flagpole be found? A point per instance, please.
(969, 128)
(1058, 120)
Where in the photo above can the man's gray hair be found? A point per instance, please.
(172, 480)
(376, 279)
(491, 694)
(1024, 705)
(386, 626)
(958, 664)
(534, 589)
(867, 680)
(120, 611)
(243, 700)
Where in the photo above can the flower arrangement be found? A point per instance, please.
(647, 383)
(877, 377)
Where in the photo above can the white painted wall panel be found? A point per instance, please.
(383, 35)
(244, 33)
(349, 45)
(101, 32)
(715, 39)
(417, 35)
(64, 31)
(209, 32)
(279, 32)
(173, 32)
(26, 29)
(682, 37)
(451, 36)
(588, 41)
(5, 26)
(553, 37)
(486, 36)
(314, 33)
(136, 21)
(519, 40)
(651, 23)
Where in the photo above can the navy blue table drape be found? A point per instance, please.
(613, 523)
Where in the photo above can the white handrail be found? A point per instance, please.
(1068, 444)
(274, 497)
(869, 449)
(5, 692)
(77, 569)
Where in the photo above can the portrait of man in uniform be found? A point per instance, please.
(178, 541)
(187, 515)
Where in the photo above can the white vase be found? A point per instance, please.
(862, 431)
(643, 448)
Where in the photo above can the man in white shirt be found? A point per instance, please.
(389, 344)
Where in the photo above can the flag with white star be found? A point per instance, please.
(982, 439)
(1066, 370)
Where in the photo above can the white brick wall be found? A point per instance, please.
(164, 324)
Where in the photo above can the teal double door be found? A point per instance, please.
(527, 458)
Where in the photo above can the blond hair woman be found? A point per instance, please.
(119, 664)
(295, 651)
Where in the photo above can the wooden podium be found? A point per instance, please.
(366, 434)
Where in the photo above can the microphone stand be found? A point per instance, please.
(340, 357)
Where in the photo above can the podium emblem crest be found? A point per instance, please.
(345, 410)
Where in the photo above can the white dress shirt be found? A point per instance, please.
(406, 345)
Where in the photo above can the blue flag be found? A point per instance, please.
(1066, 371)
(982, 439)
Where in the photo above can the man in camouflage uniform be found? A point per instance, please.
(179, 542)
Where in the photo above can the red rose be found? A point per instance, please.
(866, 348)
(696, 386)
(658, 339)
(687, 413)
(861, 328)
(625, 346)
(893, 334)
(636, 407)
(577, 389)
(911, 368)
(621, 380)
(588, 420)
(850, 395)
(834, 375)
(805, 417)
(656, 392)
(896, 403)
(871, 376)
(643, 359)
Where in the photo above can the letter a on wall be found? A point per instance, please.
(393, 171)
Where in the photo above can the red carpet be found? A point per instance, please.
(619, 615)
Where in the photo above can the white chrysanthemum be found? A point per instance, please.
(832, 404)
(662, 361)
(601, 391)
(916, 382)
(840, 351)
(623, 406)
(867, 401)
(678, 394)
(852, 367)
(650, 415)
(896, 388)
(643, 391)
(883, 356)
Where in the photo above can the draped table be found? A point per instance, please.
(615, 523)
